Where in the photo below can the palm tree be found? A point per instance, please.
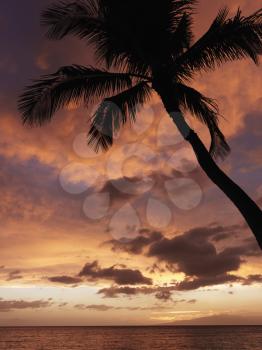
(150, 44)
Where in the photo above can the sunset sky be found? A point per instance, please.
(138, 235)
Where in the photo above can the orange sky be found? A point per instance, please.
(64, 210)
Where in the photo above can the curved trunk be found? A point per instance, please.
(247, 207)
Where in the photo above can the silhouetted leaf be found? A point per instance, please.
(69, 84)
(206, 110)
(114, 112)
(226, 40)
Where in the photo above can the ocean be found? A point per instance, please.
(132, 338)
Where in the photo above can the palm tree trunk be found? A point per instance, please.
(246, 206)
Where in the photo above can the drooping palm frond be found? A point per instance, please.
(113, 112)
(206, 110)
(80, 18)
(183, 35)
(226, 40)
(89, 19)
(69, 84)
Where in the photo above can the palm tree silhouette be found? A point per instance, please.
(150, 43)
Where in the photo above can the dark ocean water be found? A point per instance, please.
(131, 338)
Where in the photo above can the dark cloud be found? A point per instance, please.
(220, 237)
(65, 279)
(103, 307)
(163, 293)
(136, 245)
(14, 275)
(114, 291)
(10, 305)
(156, 268)
(252, 279)
(146, 237)
(121, 276)
(195, 255)
(195, 283)
(100, 307)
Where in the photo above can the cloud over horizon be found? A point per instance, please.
(119, 275)
(11, 305)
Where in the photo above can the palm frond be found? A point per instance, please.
(84, 19)
(69, 84)
(182, 7)
(80, 18)
(206, 110)
(226, 40)
(183, 35)
(114, 112)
